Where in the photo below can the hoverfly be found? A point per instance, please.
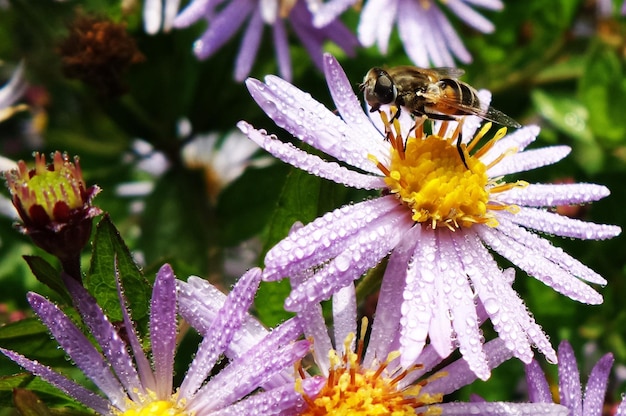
(435, 93)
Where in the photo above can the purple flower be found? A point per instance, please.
(436, 217)
(425, 31)
(570, 390)
(226, 17)
(133, 385)
(361, 381)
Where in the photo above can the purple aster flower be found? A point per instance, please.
(372, 380)
(226, 17)
(427, 35)
(133, 385)
(436, 217)
(570, 391)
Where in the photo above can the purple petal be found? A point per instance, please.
(621, 410)
(596, 386)
(539, 267)
(195, 11)
(223, 27)
(330, 10)
(542, 247)
(569, 380)
(314, 124)
(563, 226)
(313, 164)
(386, 325)
(107, 337)
(517, 140)
(14, 89)
(78, 392)
(501, 409)
(362, 252)
(221, 332)
(504, 308)
(377, 22)
(326, 237)
(246, 373)
(538, 388)
(273, 402)
(80, 350)
(453, 42)
(421, 307)
(281, 46)
(470, 16)
(462, 307)
(163, 328)
(315, 328)
(349, 105)
(549, 195)
(249, 46)
(199, 304)
(459, 373)
(528, 160)
(143, 365)
(344, 317)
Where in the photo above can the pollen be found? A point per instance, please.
(427, 173)
(352, 389)
(150, 406)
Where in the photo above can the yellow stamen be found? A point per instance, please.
(428, 175)
(150, 406)
(352, 389)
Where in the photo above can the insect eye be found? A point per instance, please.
(385, 90)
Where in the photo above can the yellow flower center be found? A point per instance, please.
(150, 406)
(352, 390)
(158, 408)
(428, 175)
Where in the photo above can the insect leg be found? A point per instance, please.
(460, 149)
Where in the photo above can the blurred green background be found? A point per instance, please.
(558, 64)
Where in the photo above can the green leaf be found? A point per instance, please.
(298, 201)
(242, 210)
(177, 224)
(49, 394)
(109, 249)
(30, 338)
(571, 117)
(603, 90)
(48, 275)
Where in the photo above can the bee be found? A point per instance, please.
(435, 93)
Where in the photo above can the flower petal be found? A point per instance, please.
(113, 347)
(163, 328)
(596, 386)
(528, 160)
(78, 392)
(220, 333)
(549, 195)
(542, 247)
(78, 347)
(552, 223)
(538, 388)
(313, 164)
(539, 267)
(344, 317)
(361, 253)
(325, 238)
(569, 380)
